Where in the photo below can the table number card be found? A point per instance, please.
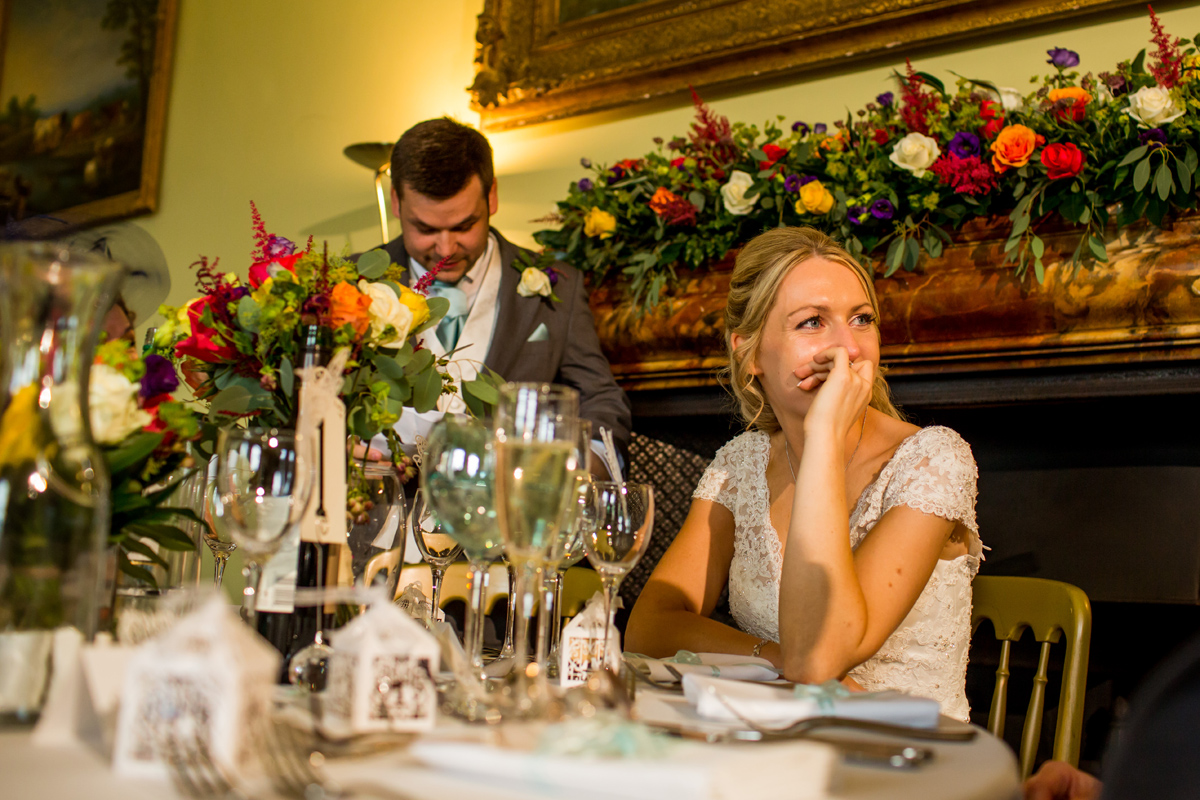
(380, 675)
(322, 421)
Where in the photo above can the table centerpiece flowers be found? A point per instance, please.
(894, 179)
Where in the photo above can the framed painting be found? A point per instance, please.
(539, 60)
(83, 96)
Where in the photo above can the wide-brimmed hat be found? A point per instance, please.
(147, 280)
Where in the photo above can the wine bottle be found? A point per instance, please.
(280, 622)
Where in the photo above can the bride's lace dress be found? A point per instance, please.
(932, 471)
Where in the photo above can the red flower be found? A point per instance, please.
(992, 113)
(205, 343)
(261, 271)
(1062, 161)
(678, 162)
(970, 175)
(881, 136)
(773, 152)
(673, 209)
(629, 164)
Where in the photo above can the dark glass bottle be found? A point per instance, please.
(289, 631)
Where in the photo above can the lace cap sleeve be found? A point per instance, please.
(718, 483)
(936, 473)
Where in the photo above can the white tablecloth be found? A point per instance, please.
(983, 769)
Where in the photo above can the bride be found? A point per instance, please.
(847, 535)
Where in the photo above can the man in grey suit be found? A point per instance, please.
(444, 193)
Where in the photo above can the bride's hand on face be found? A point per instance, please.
(845, 389)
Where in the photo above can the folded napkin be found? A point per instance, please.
(771, 705)
(678, 770)
(712, 665)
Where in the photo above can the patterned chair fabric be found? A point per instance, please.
(674, 473)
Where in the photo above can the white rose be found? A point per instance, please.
(915, 153)
(1011, 99)
(534, 282)
(1103, 93)
(734, 193)
(113, 406)
(386, 309)
(1152, 106)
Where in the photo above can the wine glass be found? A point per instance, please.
(584, 521)
(536, 459)
(624, 521)
(219, 534)
(436, 546)
(264, 479)
(457, 476)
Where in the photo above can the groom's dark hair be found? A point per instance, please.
(437, 158)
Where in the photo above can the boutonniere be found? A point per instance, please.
(538, 275)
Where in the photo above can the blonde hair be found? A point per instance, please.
(757, 275)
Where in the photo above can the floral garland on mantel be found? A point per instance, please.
(896, 177)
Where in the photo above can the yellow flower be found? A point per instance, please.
(816, 198)
(19, 428)
(599, 222)
(1191, 68)
(416, 303)
(800, 209)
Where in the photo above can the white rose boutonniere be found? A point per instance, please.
(1152, 106)
(734, 193)
(113, 405)
(534, 282)
(915, 153)
(386, 309)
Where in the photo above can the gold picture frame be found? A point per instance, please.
(83, 103)
(539, 60)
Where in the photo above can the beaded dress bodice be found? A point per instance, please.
(932, 471)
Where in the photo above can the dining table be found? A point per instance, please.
(983, 768)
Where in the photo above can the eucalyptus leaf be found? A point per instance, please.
(427, 388)
(1133, 155)
(247, 313)
(1163, 181)
(1038, 247)
(1039, 271)
(1185, 176)
(1141, 174)
(287, 376)
(1098, 249)
(373, 263)
(132, 451)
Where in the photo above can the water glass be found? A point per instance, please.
(436, 546)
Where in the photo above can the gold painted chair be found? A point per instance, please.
(1050, 609)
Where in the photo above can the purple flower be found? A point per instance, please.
(1062, 58)
(886, 99)
(552, 274)
(586, 163)
(800, 127)
(804, 179)
(1155, 137)
(791, 183)
(820, 127)
(964, 144)
(160, 377)
(585, 185)
(615, 174)
(883, 209)
(853, 213)
(278, 246)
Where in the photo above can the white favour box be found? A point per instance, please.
(582, 641)
(380, 675)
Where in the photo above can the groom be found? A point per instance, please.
(444, 193)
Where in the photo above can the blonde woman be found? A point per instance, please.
(847, 536)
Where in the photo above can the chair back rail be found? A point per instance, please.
(1050, 609)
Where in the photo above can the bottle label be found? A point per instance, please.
(279, 576)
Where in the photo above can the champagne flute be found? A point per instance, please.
(536, 458)
(624, 521)
(265, 478)
(457, 477)
(436, 546)
(583, 522)
(219, 535)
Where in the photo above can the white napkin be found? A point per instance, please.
(687, 771)
(772, 705)
(712, 665)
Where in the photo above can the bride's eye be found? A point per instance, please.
(866, 318)
(812, 323)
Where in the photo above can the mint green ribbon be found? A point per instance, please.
(826, 694)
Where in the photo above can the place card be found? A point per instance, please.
(581, 643)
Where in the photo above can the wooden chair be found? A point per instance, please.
(1049, 609)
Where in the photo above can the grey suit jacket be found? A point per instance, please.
(570, 356)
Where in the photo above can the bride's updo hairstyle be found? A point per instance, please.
(757, 275)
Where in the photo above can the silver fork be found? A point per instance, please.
(194, 771)
(292, 762)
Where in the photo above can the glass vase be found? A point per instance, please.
(54, 490)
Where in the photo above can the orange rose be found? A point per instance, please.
(1013, 147)
(349, 306)
(1074, 99)
(663, 200)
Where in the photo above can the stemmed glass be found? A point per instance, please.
(264, 480)
(219, 534)
(572, 553)
(536, 459)
(457, 477)
(624, 521)
(436, 546)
